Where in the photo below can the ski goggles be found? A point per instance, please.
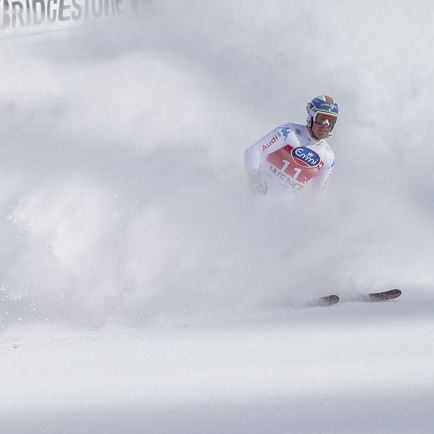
(325, 120)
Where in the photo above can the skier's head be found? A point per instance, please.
(322, 116)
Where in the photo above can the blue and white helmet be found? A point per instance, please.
(321, 104)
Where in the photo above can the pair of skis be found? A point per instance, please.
(328, 300)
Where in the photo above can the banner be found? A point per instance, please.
(34, 14)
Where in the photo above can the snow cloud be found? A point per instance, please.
(123, 196)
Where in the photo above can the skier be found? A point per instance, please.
(293, 156)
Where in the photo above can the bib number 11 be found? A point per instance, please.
(285, 166)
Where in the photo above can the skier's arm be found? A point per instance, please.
(256, 154)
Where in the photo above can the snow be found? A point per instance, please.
(139, 291)
(355, 367)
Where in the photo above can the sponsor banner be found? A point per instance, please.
(34, 15)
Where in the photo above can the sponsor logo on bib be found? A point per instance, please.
(305, 157)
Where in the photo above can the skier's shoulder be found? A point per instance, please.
(290, 128)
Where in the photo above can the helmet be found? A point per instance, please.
(321, 104)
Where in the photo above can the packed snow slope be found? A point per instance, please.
(139, 289)
(351, 368)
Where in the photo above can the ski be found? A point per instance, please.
(327, 300)
(378, 296)
(384, 295)
(331, 299)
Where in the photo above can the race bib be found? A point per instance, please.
(292, 166)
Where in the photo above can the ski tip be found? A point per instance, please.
(328, 300)
(385, 295)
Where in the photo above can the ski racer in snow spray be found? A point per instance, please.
(294, 156)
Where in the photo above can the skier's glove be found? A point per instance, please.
(257, 183)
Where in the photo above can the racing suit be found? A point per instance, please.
(289, 159)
